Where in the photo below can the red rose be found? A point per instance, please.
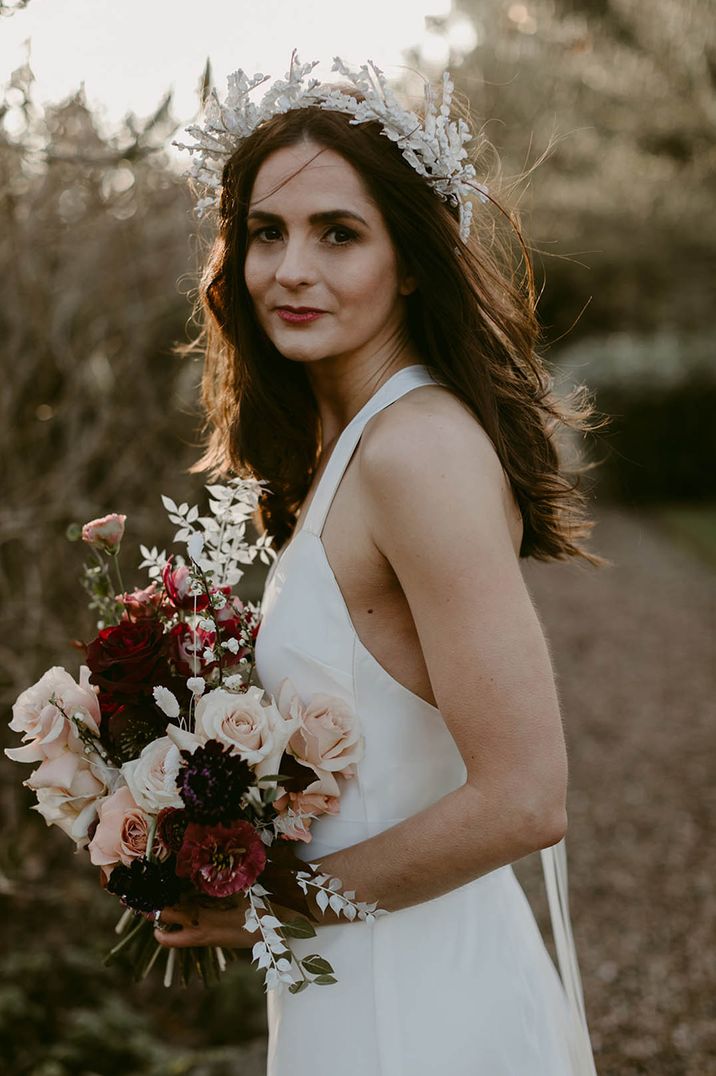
(221, 859)
(129, 658)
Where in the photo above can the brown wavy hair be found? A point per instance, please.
(471, 319)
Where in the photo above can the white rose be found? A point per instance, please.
(152, 778)
(254, 729)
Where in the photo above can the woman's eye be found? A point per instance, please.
(343, 236)
(261, 233)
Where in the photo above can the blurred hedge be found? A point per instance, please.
(660, 393)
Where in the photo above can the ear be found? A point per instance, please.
(408, 284)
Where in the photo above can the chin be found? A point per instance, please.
(301, 350)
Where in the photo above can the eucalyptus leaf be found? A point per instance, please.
(299, 928)
(316, 965)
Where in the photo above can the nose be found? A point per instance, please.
(297, 265)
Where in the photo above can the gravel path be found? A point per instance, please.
(633, 652)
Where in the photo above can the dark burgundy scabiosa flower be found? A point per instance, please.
(129, 727)
(145, 885)
(171, 826)
(221, 860)
(211, 782)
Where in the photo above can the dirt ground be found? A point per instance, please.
(633, 650)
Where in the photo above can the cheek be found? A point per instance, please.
(368, 280)
(256, 275)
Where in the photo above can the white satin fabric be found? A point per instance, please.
(461, 984)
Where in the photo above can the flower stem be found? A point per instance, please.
(115, 559)
(126, 940)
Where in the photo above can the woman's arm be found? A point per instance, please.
(437, 501)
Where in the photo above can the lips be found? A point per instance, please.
(296, 315)
(302, 309)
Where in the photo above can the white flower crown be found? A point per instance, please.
(435, 148)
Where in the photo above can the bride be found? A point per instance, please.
(370, 353)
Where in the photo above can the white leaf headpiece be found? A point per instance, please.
(435, 147)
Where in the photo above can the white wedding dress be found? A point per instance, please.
(461, 985)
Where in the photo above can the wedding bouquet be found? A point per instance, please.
(180, 778)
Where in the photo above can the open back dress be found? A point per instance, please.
(460, 985)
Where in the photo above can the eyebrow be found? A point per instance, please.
(324, 217)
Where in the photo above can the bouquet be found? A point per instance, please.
(180, 778)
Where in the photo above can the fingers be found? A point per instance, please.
(181, 914)
(177, 927)
(181, 939)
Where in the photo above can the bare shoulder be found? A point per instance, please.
(429, 446)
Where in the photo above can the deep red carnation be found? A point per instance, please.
(127, 659)
(222, 859)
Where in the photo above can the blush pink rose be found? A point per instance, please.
(69, 787)
(122, 832)
(46, 725)
(328, 737)
(105, 533)
(243, 721)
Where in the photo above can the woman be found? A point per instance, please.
(374, 364)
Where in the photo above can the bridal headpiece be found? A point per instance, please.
(434, 147)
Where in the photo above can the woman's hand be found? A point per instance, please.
(196, 924)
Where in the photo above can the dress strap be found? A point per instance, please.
(554, 865)
(402, 381)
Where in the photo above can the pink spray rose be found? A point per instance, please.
(105, 533)
(311, 800)
(141, 603)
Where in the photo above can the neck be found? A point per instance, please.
(343, 384)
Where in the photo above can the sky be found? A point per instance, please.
(129, 54)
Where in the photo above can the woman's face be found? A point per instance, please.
(318, 241)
